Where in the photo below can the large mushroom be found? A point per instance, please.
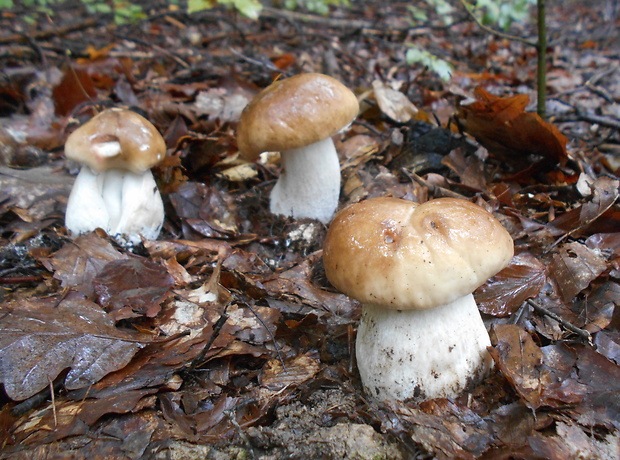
(414, 268)
(297, 116)
(115, 189)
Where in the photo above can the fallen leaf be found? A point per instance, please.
(129, 288)
(277, 376)
(503, 127)
(393, 103)
(504, 293)
(574, 267)
(40, 339)
(519, 359)
(79, 261)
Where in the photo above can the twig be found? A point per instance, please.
(435, 190)
(53, 401)
(17, 38)
(217, 327)
(233, 420)
(571, 327)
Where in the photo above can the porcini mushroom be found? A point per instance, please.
(414, 268)
(297, 117)
(115, 189)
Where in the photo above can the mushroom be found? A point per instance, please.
(115, 189)
(414, 268)
(297, 117)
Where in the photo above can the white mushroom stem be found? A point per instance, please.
(422, 354)
(309, 184)
(126, 205)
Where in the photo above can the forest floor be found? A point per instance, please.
(223, 338)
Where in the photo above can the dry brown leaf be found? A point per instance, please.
(277, 376)
(78, 262)
(518, 358)
(503, 127)
(574, 267)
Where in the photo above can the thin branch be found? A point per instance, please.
(434, 190)
(565, 324)
(58, 32)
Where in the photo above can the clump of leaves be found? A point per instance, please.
(123, 10)
(248, 8)
(442, 7)
(441, 67)
(501, 12)
(314, 6)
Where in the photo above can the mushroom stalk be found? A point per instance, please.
(309, 184)
(422, 354)
(125, 204)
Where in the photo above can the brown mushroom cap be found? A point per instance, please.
(142, 146)
(408, 256)
(293, 113)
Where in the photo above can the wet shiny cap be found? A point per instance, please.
(408, 256)
(295, 112)
(116, 139)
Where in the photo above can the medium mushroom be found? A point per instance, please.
(414, 268)
(297, 117)
(115, 189)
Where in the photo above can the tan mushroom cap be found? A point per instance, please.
(407, 256)
(293, 113)
(141, 145)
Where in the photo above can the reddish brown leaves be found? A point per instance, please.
(39, 339)
(503, 294)
(80, 260)
(503, 127)
(574, 267)
(519, 359)
(132, 287)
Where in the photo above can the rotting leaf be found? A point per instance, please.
(447, 432)
(519, 360)
(71, 418)
(78, 262)
(574, 267)
(40, 339)
(503, 127)
(275, 377)
(297, 283)
(132, 287)
(576, 222)
(558, 377)
(503, 294)
(601, 405)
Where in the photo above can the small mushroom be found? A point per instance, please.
(115, 189)
(414, 268)
(297, 117)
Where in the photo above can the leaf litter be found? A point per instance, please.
(223, 338)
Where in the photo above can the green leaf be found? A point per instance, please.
(441, 67)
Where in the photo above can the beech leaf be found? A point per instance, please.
(503, 294)
(503, 127)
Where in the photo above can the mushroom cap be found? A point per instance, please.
(116, 139)
(293, 113)
(408, 256)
